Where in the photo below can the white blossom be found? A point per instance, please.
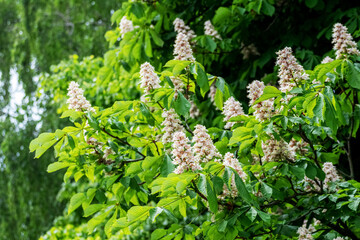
(180, 27)
(125, 26)
(331, 175)
(290, 71)
(178, 86)
(76, 100)
(203, 148)
(264, 109)
(305, 233)
(276, 150)
(182, 49)
(210, 30)
(182, 154)
(171, 125)
(232, 108)
(327, 59)
(343, 42)
(149, 79)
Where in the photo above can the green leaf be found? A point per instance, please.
(158, 233)
(181, 65)
(311, 3)
(154, 213)
(352, 75)
(298, 172)
(211, 197)
(208, 43)
(219, 99)
(264, 216)
(182, 105)
(75, 202)
(354, 204)
(137, 9)
(71, 141)
(72, 114)
(56, 166)
(266, 190)
(269, 92)
(243, 192)
(93, 209)
(138, 213)
(156, 38)
(96, 221)
(148, 48)
(221, 15)
(310, 171)
(167, 166)
(251, 214)
(319, 107)
(202, 79)
(267, 8)
(182, 207)
(93, 122)
(222, 226)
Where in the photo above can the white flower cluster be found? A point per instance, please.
(249, 50)
(232, 108)
(331, 175)
(182, 49)
(338, 238)
(264, 109)
(149, 79)
(212, 93)
(210, 30)
(178, 85)
(327, 59)
(231, 161)
(275, 150)
(180, 27)
(125, 26)
(305, 233)
(171, 125)
(76, 100)
(203, 148)
(343, 42)
(194, 110)
(290, 71)
(182, 155)
(298, 146)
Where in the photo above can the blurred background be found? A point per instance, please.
(37, 34)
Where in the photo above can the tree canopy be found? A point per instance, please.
(195, 119)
